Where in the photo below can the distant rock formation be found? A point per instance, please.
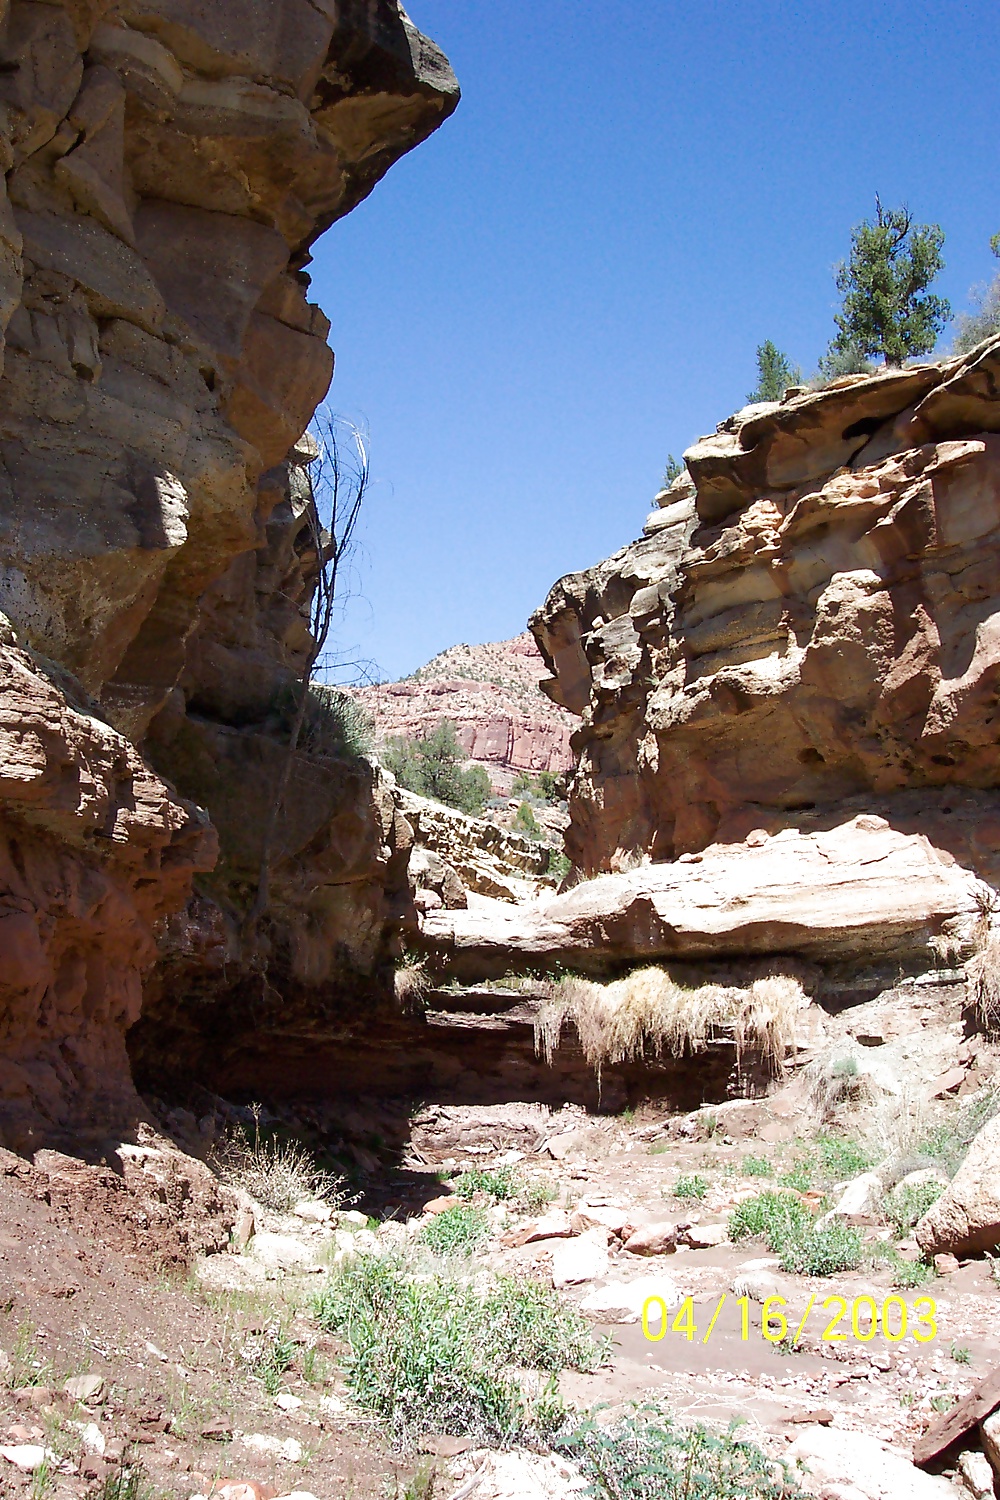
(491, 694)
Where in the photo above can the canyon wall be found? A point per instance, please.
(808, 630)
(168, 165)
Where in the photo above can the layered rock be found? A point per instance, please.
(95, 851)
(491, 694)
(809, 617)
(168, 167)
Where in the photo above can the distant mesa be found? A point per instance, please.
(491, 694)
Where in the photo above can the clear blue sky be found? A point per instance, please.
(570, 278)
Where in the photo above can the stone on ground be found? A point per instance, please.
(623, 1301)
(653, 1239)
(966, 1218)
(833, 1456)
(583, 1259)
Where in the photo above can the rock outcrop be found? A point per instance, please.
(95, 851)
(860, 888)
(168, 167)
(810, 616)
(491, 695)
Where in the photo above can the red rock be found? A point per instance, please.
(438, 1205)
(653, 1239)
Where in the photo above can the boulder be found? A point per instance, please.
(280, 1252)
(554, 1225)
(578, 1260)
(653, 1239)
(989, 1432)
(977, 1472)
(702, 1236)
(623, 1301)
(966, 1218)
(599, 1216)
(832, 1456)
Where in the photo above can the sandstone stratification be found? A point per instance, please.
(168, 166)
(811, 616)
(491, 695)
(94, 851)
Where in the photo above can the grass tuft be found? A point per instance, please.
(276, 1173)
(456, 1231)
(691, 1187)
(441, 1353)
(498, 1183)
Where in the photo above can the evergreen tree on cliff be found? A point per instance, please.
(775, 373)
(887, 310)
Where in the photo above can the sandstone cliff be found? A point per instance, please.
(491, 694)
(806, 629)
(168, 166)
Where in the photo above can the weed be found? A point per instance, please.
(823, 1252)
(456, 1231)
(314, 1368)
(27, 1365)
(421, 1485)
(994, 1265)
(842, 1158)
(645, 1456)
(276, 1173)
(498, 1183)
(905, 1205)
(960, 1354)
(983, 972)
(944, 1402)
(534, 1195)
(42, 1479)
(777, 1218)
(690, 1187)
(267, 1355)
(128, 1481)
(909, 1274)
(836, 1081)
(757, 1166)
(800, 1175)
(443, 1353)
(946, 1145)
(411, 983)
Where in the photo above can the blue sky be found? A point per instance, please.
(570, 278)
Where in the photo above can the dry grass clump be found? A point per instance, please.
(276, 1173)
(650, 1013)
(411, 982)
(983, 971)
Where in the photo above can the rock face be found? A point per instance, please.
(95, 851)
(810, 616)
(491, 694)
(862, 887)
(168, 166)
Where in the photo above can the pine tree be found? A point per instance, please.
(775, 373)
(887, 310)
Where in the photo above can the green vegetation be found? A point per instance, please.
(946, 1145)
(545, 786)
(691, 1187)
(909, 1274)
(498, 1183)
(887, 312)
(267, 1355)
(774, 1217)
(525, 822)
(905, 1205)
(674, 469)
(558, 866)
(456, 1231)
(431, 765)
(757, 1166)
(438, 1353)
(841, 1157)
(775, 373)
(644, 1456)
(786, 1224)
(822, 1252)
(960, 1354)
(128, 1481)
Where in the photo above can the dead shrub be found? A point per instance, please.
(275, 1173)
(650, 1014)
(983, 971)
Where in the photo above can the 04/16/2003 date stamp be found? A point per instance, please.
(861, 1319)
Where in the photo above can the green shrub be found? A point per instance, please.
(691, 1187)
(777, 1218)
(498, 1183)
(644, 1456)
(800, 1175)
(334, 724)
(908, 1274)
(525, 822)
(431, 765)
(436, 1353)
(822, 1252)
(905, 1205)
(456, 1231)
(757, 1166)
(842, 1158)
(946, 1145)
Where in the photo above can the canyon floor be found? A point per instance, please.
(220, 1372)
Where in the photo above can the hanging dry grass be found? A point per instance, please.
(983, 972)
(650, 1014)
